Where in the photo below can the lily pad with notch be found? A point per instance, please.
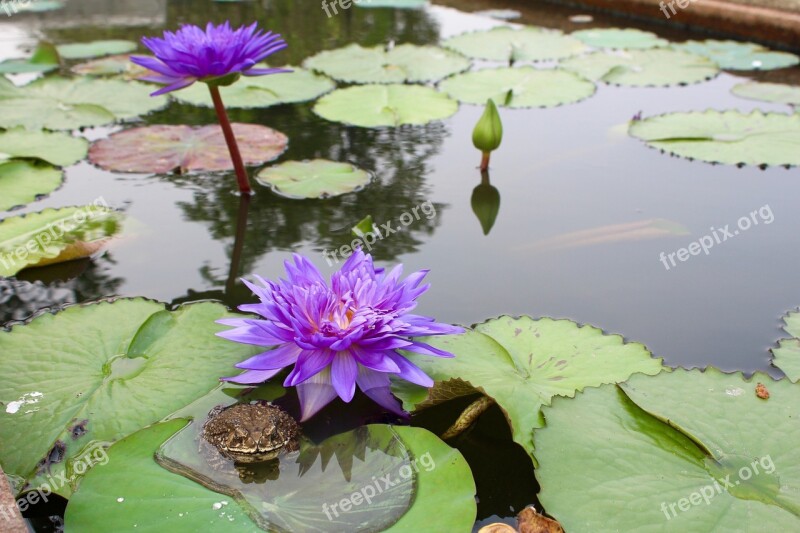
(318, 178)
(619, 38)
(508, 44)
(735, 55)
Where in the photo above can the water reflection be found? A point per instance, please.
(485, 202)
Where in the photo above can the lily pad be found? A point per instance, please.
(727, 137)
(405, 63)
(22, 182)
(163, 149)
(507, 44)
(371, 106)
(523, 363)
(262, 91)
(777, 93)
(735, 55)
(313, 179)
(63, 104)
(685, 451)
(54, 236)
(94, 374)
(117, 65)
(44, 59)
(628, 38)
(519, 87)
(656, 67)
(96, 49)
(787, 355)
(60, 149)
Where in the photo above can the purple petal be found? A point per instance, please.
(265, 71)
(174, 87)
(411, 372)
(278, 358)
(344, 370)
(376, 386)
(315, 394)
(426, 349)
(308, 364)
(251, 377)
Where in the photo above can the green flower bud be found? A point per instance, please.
(488, 132)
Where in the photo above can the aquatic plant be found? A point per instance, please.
(488, 133)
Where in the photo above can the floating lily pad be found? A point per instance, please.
(777, 93)
(372, 106)
(727, 137)
(22, 182)
(735, 55)
(97, 373)
(63, 104)
(405, 63)
(685, 451)
(263, 91)
(118, 65)
(506, 44)
(54, 236)
(96, 49)
(59, 149)
(787, 355)
(44, 59)
(642, 68)
(313, 179)
(523, 363)
(519, 87)
(628, 38)
(163, 149)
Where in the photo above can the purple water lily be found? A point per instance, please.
(191, 54)
(337, 336)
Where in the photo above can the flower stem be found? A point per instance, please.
(230, 138)
(485, 160)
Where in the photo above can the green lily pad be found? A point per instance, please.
(787, 355)
(628, 38)
(134, 491)
(60, 149)
(313, 179)
(727, 137)
(44, 59)
(777, 93)
(643, 68)
(119, 65)
(54, 236)
(680, 449)
(22, 182)
(64, 104)
(96, 49)
(507, 44)
(405, 63)
(162, 149)
(262, 91)
(523, 363)
(94, 374)
(519, 87)
(739, 56)
(371, 106)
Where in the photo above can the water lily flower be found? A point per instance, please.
(217, 56)
(488, 133)
(337, 336)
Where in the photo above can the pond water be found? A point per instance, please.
(559, 171)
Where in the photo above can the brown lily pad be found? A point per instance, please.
(162, 149)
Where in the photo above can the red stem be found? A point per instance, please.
(485, 160)
(230, 138)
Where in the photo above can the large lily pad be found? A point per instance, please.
(22, 182)
(262, 91)
(96, 49)
(519, 87)
(97, 373)
(313, 179)
(404, 63)
(507, 44)
(44, 59)
(643, 68)
(372, 106)
(777, 93)
(725, 136)
(628, 38)
(685, 451)
(162, 149)
(54, 236)
(787, 355)
(523, 363)
(62, 104)
(735, 55)
(118, 65)
(60, 149)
